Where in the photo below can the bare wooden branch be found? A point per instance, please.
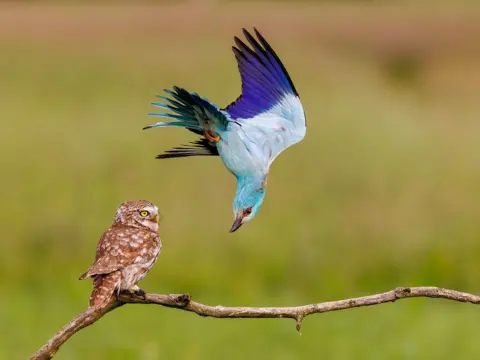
(298, 313)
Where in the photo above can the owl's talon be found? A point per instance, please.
(140, 292)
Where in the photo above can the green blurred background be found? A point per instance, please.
(383, 191)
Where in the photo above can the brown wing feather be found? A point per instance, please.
(101, 267)
(114, 251)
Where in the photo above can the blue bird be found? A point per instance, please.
(248, 134)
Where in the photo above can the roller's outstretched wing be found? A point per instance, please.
(269, 100)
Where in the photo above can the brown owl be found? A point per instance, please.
(125, 252)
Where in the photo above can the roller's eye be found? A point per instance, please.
(144, 213)
(247, 211)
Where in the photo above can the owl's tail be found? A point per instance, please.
(104, 289)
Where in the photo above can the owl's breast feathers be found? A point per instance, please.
(124, 256)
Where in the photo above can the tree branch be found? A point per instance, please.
(184, 302)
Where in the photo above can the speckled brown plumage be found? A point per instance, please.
(125, 252)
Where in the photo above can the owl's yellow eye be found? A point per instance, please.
(144, 213)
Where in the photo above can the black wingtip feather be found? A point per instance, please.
(201, 147)
(267, 47)
(244, 48)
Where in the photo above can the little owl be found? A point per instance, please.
(125, 252)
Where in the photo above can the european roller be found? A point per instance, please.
(248, 134)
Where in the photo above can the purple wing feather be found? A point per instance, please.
(265, 81)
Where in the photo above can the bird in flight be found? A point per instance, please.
(248, 134)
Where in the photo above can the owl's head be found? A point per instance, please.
(140, 213)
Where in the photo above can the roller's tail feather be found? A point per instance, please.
(195, 113)
(189, 110)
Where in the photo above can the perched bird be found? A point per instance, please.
(248, 134)
(125, 252)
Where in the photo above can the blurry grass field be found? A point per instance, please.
(383, 191)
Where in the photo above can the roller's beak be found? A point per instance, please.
(236, 224)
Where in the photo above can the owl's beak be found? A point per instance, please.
(237, 223)
(156, 219)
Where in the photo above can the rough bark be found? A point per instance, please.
(298, 313)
